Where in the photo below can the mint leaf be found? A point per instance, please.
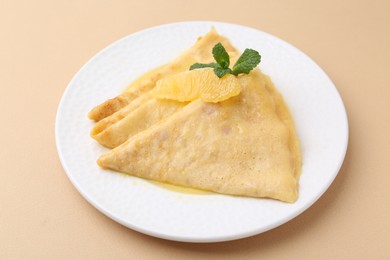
(246, 62)
(202, 65)
(221, 56)
(220, 72)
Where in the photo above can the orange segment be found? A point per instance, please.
(198, 83)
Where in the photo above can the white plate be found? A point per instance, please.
(316, 106)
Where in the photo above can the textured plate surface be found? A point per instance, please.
(316, 106)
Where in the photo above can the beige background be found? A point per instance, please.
(44, 43)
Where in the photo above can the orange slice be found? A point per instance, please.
(198, 83)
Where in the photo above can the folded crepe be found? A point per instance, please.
(245, 146)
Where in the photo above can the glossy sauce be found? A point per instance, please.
(181, 189)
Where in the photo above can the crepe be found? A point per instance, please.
(245, 146)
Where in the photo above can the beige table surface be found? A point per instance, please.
(44, 43)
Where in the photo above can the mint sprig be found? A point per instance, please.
(245, 63)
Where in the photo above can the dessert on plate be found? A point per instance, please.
(209, 128)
